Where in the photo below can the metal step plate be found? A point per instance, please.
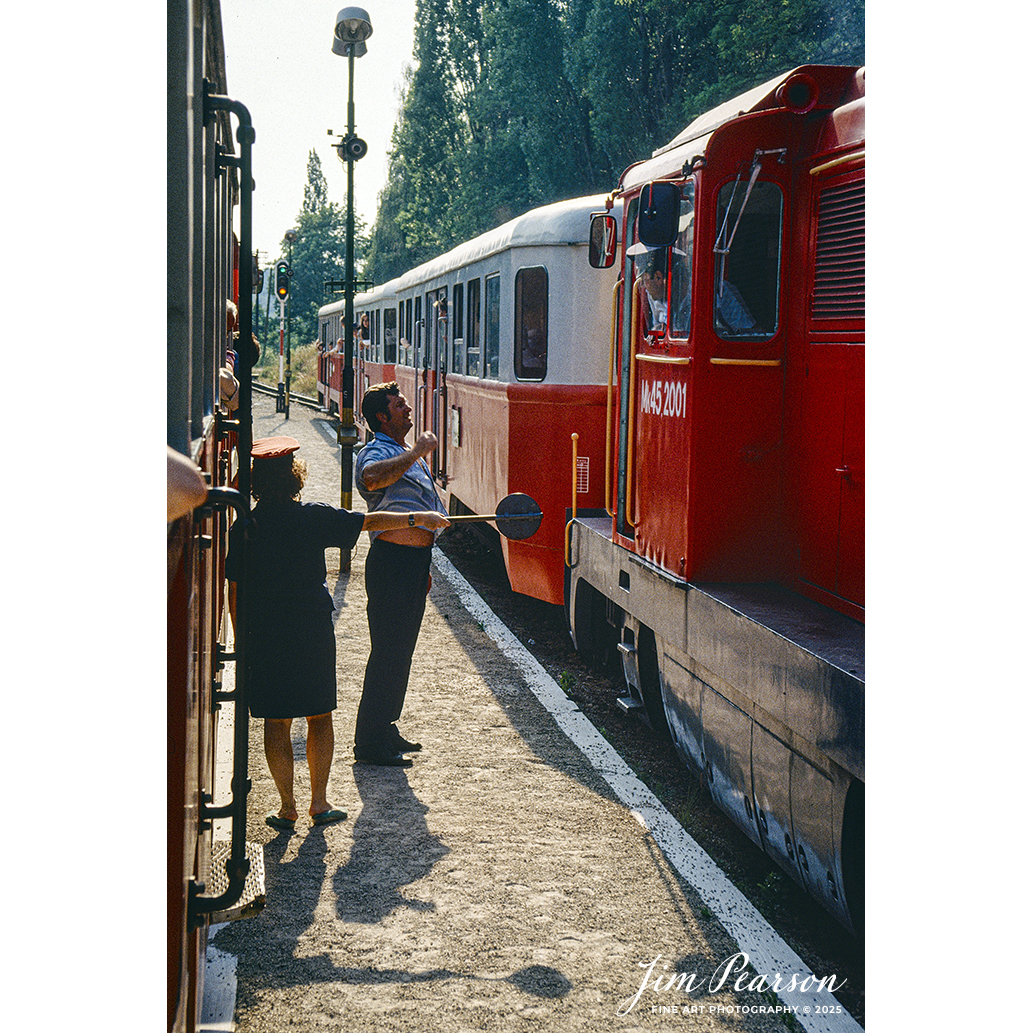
(252, 900)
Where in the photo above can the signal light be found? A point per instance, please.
(283, 278)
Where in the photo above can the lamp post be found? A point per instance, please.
(351, 31)
(290, 236)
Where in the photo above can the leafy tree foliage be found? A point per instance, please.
(512, 104)
(317, 254)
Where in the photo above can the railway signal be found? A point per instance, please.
(283, 280)
(283, 288)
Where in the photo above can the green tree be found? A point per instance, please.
(516, 103)
(317, 254)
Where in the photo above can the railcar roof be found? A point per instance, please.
(833, 81)
(565, 222)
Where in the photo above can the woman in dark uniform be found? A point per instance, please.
(291, 650)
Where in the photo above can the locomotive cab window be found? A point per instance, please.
(531, 325)
(681, 265)
(747, 259)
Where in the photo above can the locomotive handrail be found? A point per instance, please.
(609, 398)
(630, 466)
(573, 502)
(745, 362)
(668, 360)
(841, 160)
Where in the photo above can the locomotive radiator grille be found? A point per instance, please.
(839, 258)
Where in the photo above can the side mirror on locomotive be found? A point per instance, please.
(659, 209)
(658, 217)
(602, 241)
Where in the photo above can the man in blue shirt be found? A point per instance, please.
(391, 476)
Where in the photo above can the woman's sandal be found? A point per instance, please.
(276, 822)
(328, 817)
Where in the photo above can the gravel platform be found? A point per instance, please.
(497, 884)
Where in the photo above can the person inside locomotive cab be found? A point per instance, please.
(681, 280)
(731, 316)
(654, 281)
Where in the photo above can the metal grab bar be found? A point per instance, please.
(609, 400)
(237, 864)
(633, 346)
(573, 501)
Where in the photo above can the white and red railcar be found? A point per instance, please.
(500, 347)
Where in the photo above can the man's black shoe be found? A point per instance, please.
(385, 759)
(404, 746)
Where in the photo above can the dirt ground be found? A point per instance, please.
(497, 884)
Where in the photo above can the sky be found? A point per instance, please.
(280, 66)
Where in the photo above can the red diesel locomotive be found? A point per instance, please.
(729, 560)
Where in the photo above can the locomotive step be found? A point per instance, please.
(252, 900)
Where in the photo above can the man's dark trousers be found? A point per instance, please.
(397, 578)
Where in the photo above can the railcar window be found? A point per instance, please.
(362, 345)
(430, 329)
(437, 306)
(747, 258)
(473, 328)
(417, 340)
(408, 331)
(390, 335)
(457, 329)
(531, 325)
(492, 297)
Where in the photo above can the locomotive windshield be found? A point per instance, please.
(681, 266)
(666, 272)
(747, 258)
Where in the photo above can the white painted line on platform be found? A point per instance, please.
(329, 431)
(768, 952)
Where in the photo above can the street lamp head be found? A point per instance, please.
(353, 28)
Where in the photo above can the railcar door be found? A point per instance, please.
(435, 377)
(442, 337)
(655, 380)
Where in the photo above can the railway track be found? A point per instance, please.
(305, 400)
